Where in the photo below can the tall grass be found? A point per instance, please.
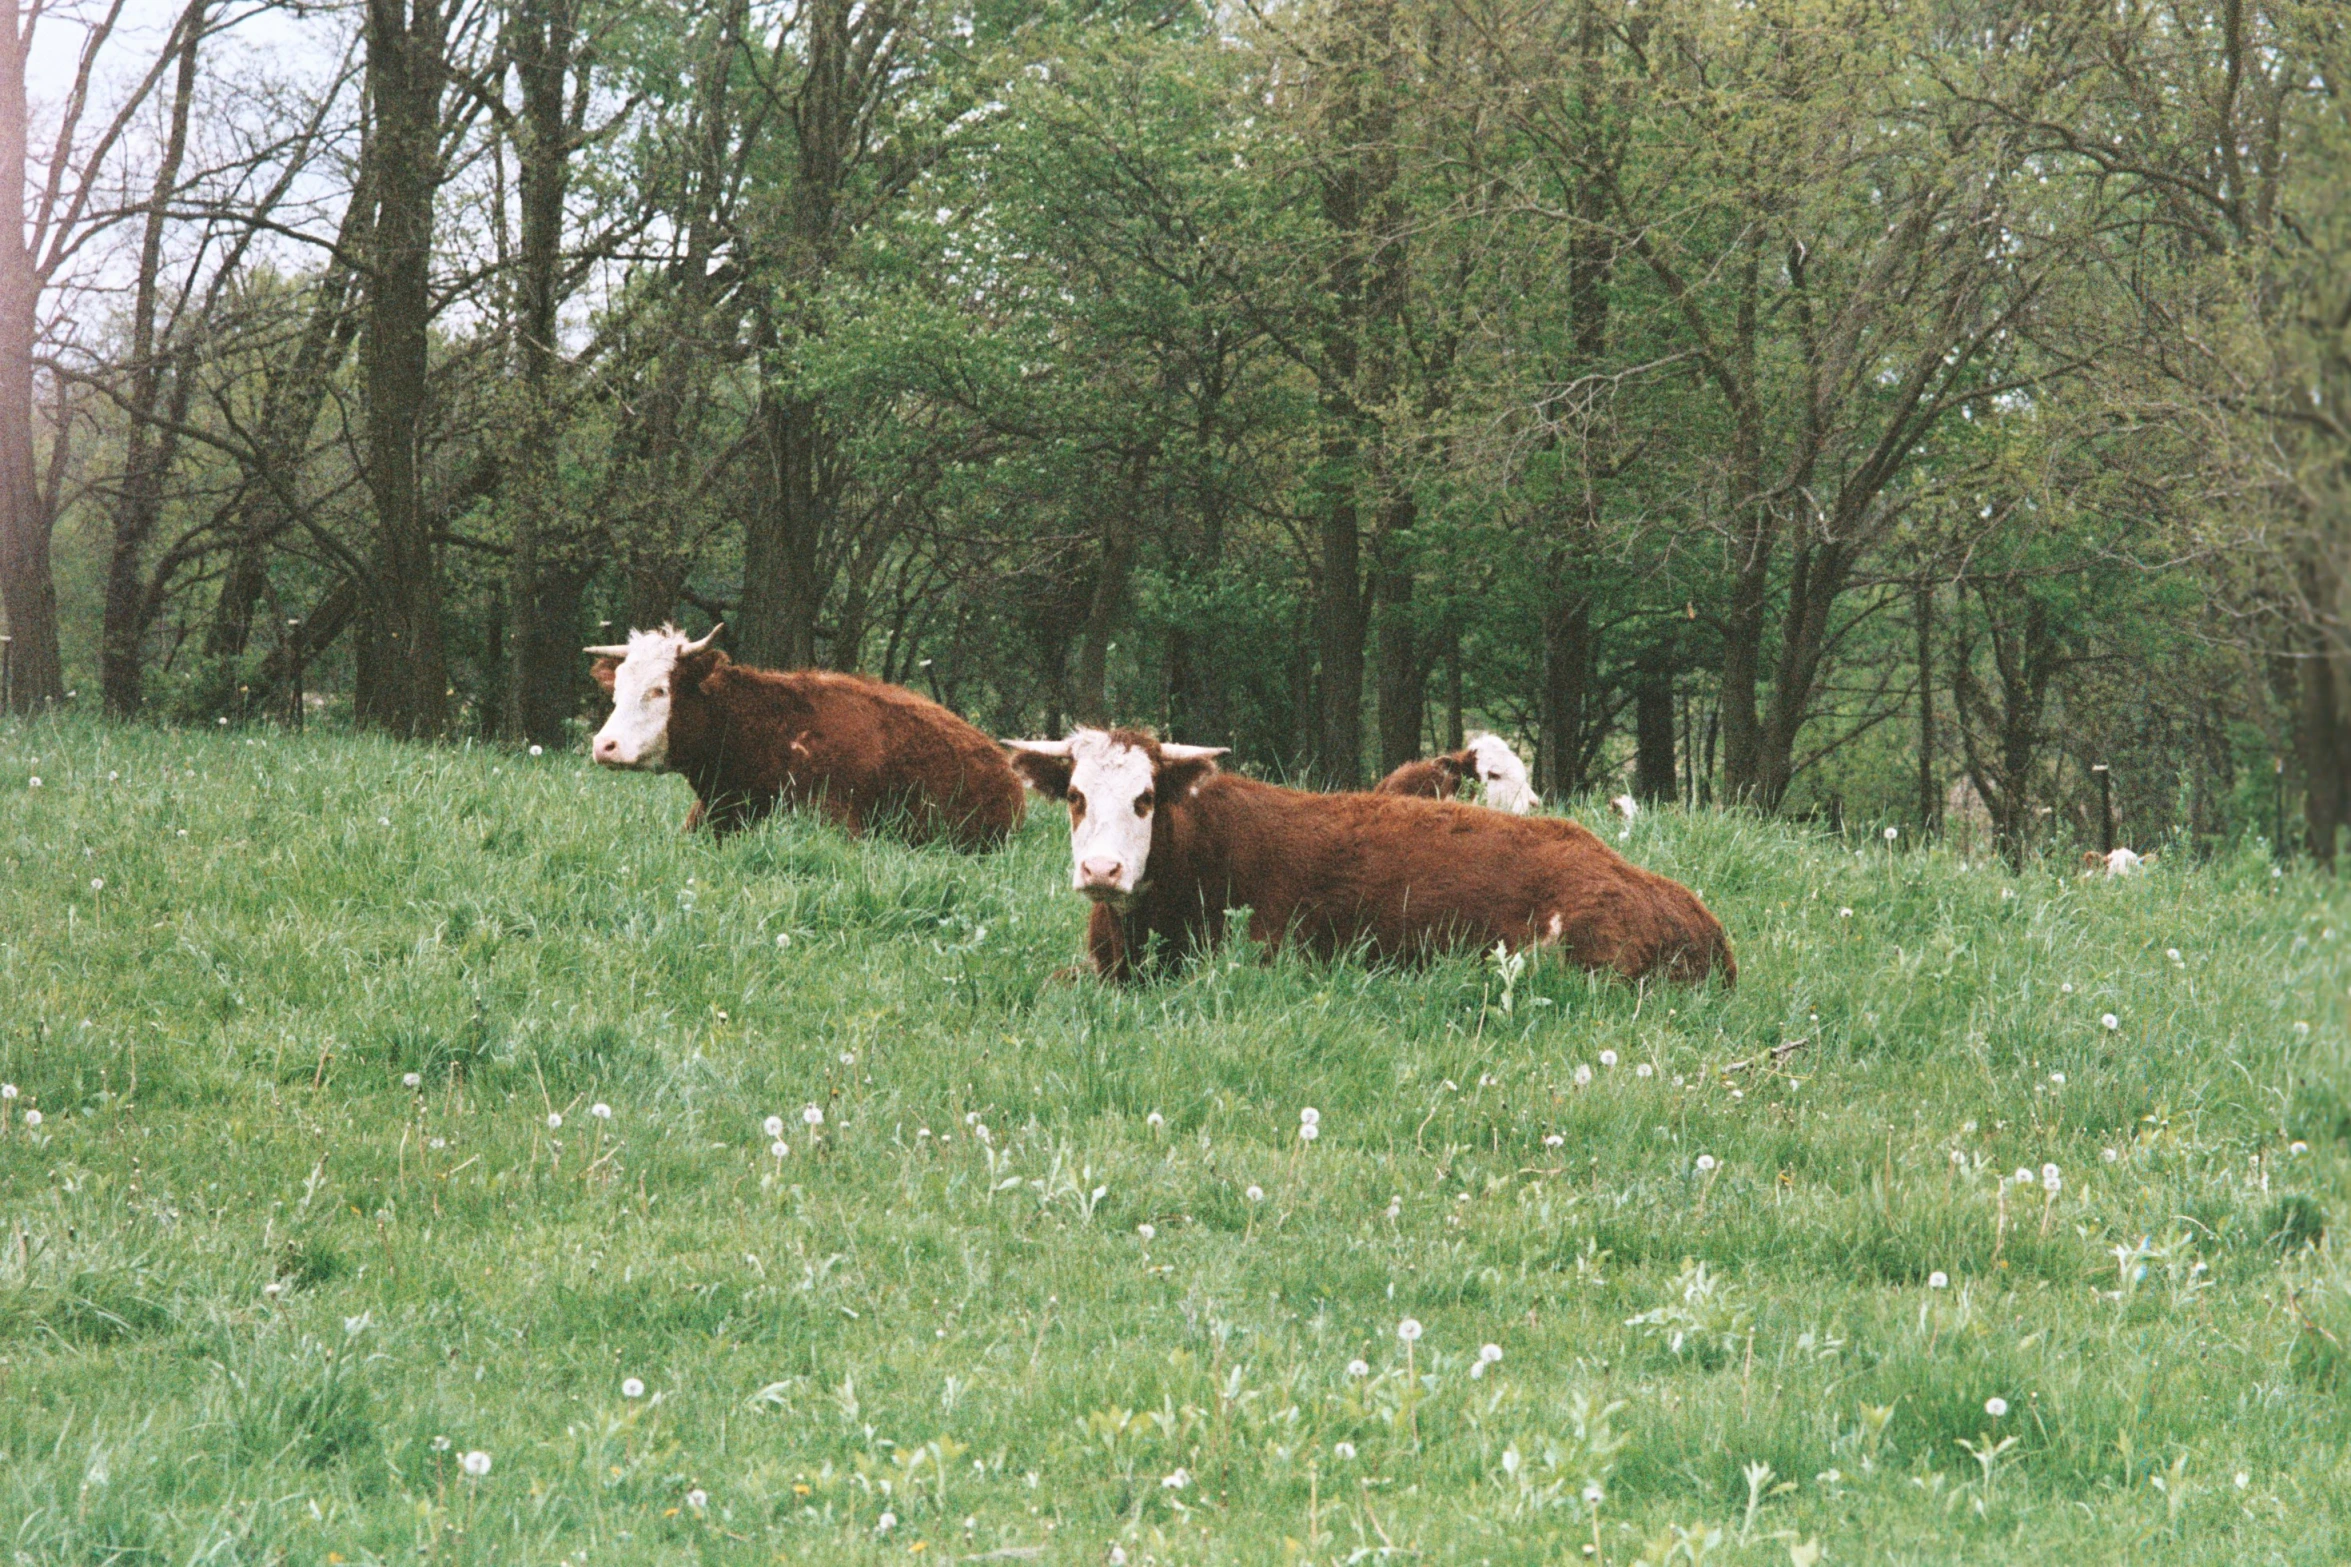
(1055, 1275)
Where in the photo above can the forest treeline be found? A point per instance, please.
(1839, 406)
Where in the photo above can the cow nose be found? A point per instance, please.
(1099, 873)
(607, 749)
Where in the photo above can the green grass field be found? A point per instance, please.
(1056, 1278)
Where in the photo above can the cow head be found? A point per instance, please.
(1503, 775)
(643, 675)
(1114, 780)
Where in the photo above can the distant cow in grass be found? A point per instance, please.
(1487, 758)
(858, 750)
(2115, 862)
(1164, 843)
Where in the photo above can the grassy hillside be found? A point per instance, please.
(1057, 1278)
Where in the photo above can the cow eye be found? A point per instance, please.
(1077, 804)
(658, 692)
(1143, 803)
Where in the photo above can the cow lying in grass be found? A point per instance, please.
(1487, 758)
(1164, 842)
(858, 750)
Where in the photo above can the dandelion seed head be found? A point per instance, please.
(1176, 1480)
(2066, 988)
(2243, 1479)
(1490, 1353)
(1644, 1070)
(1583, 1075)
(1344, 1452)
(630, 1387)
(773, 1126)
(1593, 1495)
(440, 1444)
(33, 782)
(2297, 1148)
(7, 1090)
(1892, 833)
(1608, 1058)
(538, 750)
(2023, 1177)
(32, 1118)
(2109, 1155)
(1554, 1140)
(1309, 1132)
(1995, 1406)
(697, 1499)
(600, 1110)
(2052, 1178)
(1256, 1194)
(554, 1120)
(1705, 1163)
(812, 1116)
(1146, 1231)
(1408, 1330)
(2057, 1079)
(1310, 1116)
(2110, 1021)
(1155, 1120)
(1358, 1368)
(885, 1523)
(475, 1463)
(98, 884)
(412, 1080)
(779, 1149)
(1938, 1280)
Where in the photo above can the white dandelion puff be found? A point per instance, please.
(1938, 1280)
(1256, 1194)
(773, 1126)
(1995, 1406)
(1358, 1368)
(885, 1523)
(630, 1387)
(1644, 1070)
(1155, 1120)
(697, 1499)
(2052, 1179)
(1408, 1330)
(475, 1463)
(1310, 1116)
(1344, 1452)
(1176, 1481)
(538, 751)
(779, 1149)
(554, 1120)
(2298, 1148)
(1309, 1132)
(600, 1110)
(1583, 1075)
(812, 1116)
(32, 1118)
(2024, 1177)
(412, 1080)
(1705, 1163)
(1146, 1231)
(7, 1090)
(1892, 833)
(1608, 1058)
(2110, 1021)
(1554, 1140)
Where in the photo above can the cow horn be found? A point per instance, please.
(1192, 753)
(609, 650)
(1037, 747)
(696, 647)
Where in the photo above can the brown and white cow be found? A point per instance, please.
(857, 749)
(1487, 758)
(1164, 843)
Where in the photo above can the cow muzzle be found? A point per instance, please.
(1103, 880)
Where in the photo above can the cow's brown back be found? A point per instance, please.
(1405, 877)
(860, 750)
(1430, 778)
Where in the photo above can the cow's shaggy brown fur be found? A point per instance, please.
(1431, 778)
(858, 749)
(1401, 875)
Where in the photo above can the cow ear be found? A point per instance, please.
(602, 671)
(2092, 860)
(1182, 766)
(696, 668)
(1044, 765)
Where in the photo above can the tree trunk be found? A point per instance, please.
(1454, 737)
(28, 589)
(1930, 796)
(147, 453)
(1653, 762)
(783, 535)
(549, 569)
(1121, 534)
(1567, 661)
(402, 664)
(1400, 686)
(2325, 740)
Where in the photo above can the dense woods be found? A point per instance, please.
(1863, 408)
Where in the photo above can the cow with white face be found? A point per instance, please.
(1164, 843)
(860, 751)
(637, 734)
(1503, 776)
(1112, 791)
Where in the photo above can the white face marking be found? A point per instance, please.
(1501, 772)
(1111, 803)
(637, 733)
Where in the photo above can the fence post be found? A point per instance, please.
(2105, 808)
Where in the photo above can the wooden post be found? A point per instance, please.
(2279, 809)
